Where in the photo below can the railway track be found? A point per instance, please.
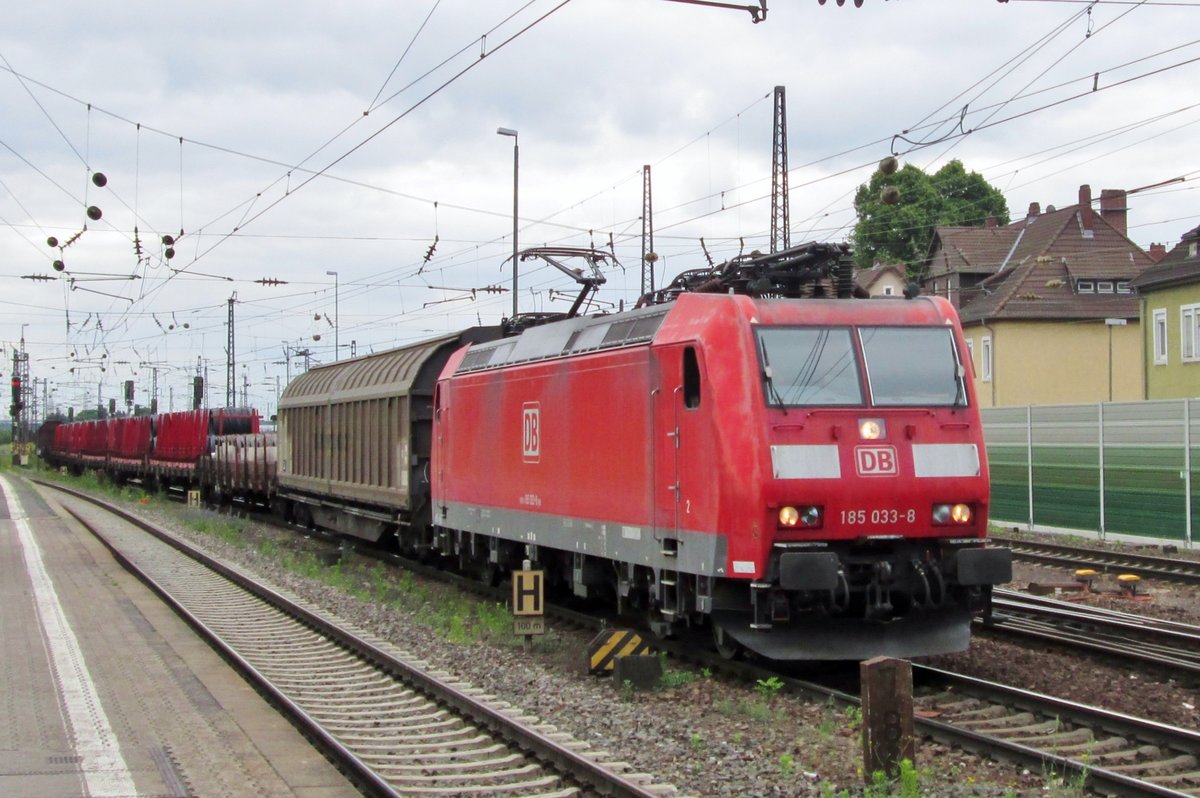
(1107, 752)
(395, 727)
(1168, 645)
(1063, 555)
(1096, 749)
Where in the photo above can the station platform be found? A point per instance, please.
(106, 693)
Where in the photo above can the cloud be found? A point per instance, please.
(596, 90)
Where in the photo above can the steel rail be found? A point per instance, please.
(1104, 780)
(342, 757)
(1184, 743)
(576, 766)
(1168, 645)
(1060, 554)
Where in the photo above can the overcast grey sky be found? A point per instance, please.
(245, 125)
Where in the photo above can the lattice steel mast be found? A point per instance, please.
(230, 384)
(649, 256)
(780, 228)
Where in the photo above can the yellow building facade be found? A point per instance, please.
(1055, 362)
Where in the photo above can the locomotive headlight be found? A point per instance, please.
(951, 514)
(872, 429)
(808, 517)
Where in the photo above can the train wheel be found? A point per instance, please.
(726, 646)
(303, 516)
(491, 574)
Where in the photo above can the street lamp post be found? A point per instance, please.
(504, 131)
(336, 351)
(1110, 323)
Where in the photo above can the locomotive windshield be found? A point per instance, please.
(912, 366)
(810, 366)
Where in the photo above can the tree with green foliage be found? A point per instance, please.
(901, 232)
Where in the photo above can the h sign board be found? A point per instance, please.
(527, 592)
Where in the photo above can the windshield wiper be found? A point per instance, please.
(769, 377)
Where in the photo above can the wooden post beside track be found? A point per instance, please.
(887, 707)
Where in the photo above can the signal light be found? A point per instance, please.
(17, 405)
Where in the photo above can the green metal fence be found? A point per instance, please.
(1131, 468)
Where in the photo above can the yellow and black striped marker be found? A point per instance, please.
(610, 644)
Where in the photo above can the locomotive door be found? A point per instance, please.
(676, 425)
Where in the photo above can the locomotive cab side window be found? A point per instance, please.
(691, 379)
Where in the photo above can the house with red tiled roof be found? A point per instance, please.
(1170, 305)
(882, 279)
(960, 258)
(1046, 302)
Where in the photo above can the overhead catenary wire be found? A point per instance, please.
(532, 221)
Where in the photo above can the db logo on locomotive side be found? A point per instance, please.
(531, 436)
(875, 461)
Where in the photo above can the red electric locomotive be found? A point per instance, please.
(806, 476)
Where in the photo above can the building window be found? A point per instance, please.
(985, 358)
(1192, 250)
(1123, 287)
(889, 290)
(1104, 287)
(1085, 287)
(1160, 336)
(1189, 333)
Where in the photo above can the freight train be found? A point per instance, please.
(165, 450)
(751, 453)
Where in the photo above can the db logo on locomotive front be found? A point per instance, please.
(875, 461)
(531, 436)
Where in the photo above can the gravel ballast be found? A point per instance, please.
(706, 735)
